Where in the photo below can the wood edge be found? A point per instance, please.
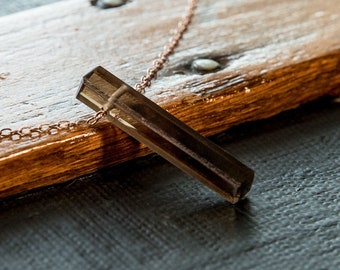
(30, 167)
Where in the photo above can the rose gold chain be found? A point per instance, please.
(48, 129)
(36, 132)
(158, 64)
(151, 74)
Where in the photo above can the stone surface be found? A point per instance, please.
(146, 214)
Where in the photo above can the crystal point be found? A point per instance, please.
(166, 135)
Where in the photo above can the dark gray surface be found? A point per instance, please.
(146, 214)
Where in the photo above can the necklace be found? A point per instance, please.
(138, 116)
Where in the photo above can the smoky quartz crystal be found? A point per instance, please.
(166, 135)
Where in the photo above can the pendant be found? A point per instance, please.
(153, 126)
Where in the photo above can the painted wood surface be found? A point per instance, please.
(274, 56)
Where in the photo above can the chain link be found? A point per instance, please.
(151, 74)
(158, 64)
(37, 132)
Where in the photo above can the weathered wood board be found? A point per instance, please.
(275, 55)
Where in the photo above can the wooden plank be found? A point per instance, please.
(274, 55)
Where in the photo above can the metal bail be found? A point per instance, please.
(166, 135)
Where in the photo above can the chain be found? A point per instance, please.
(35, 132)
(145, 81)
(48, 129)
(158, 64)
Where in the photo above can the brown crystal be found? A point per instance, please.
(166, 135)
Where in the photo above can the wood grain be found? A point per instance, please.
(274, 55)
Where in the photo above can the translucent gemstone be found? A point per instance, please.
(166, 135)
